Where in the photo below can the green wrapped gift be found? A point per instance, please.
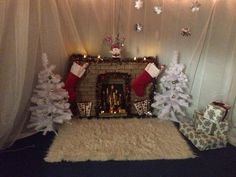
(201, 140)
(203, 125)
(214, 113)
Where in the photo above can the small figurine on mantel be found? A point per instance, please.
(115, 46)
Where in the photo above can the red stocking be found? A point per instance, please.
(141, 81)
(72, 79)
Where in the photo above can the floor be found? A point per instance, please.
(25, 159)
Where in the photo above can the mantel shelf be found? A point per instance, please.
(99, 59)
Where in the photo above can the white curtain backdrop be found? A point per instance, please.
(60, 28)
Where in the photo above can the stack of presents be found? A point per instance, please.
(209, 127)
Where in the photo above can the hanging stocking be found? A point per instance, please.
(140, 82)
(72, 79)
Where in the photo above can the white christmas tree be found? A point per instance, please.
(169, 103)
(50, 105)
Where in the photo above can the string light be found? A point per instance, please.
(99, 58)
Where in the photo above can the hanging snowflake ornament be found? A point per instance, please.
(186, 32)
(157, 10)
(138, 27)
(195, 6)
(138, 4)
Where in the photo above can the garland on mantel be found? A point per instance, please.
(100, 59)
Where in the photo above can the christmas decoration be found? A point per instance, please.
(50, 101)
(139, 107)
(99, 59)
(223, 105)
(169, 102)
(142, 108)
(157, 10)
(214, 112)
(138, 4)
(76, 72)
(195, 6)
(85, 109)
(107, 96)
(204, 141)
(211, 127)
(209, 130)
(138, 27)
(185, 32)
(140, 82)
(115, 45)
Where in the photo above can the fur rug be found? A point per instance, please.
(118, 139)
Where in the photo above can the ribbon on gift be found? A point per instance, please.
(224, 106)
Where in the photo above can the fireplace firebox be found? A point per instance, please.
(113, 94)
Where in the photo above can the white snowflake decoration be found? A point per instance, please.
(185, 32)
(158, 10)
(195, 6)
(138, 4)
(50, 101)
(169, 102)
(138, 27)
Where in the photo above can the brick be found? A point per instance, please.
(86, 89)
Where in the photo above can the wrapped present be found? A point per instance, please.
(202, 141)
(145, 106)
(85, 109)
(88, 109)
(221, 129)
(203, 125)
(214, 113)
(139, 108)
(224, 106)
(142, 107)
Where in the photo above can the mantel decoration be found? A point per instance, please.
(100, 59)
(115, 45)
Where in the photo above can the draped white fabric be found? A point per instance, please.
(60, 28)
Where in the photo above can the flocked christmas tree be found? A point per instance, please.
(173, 98)
(50, 105)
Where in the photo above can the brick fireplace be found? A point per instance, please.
(109, 78)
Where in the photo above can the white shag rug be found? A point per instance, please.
(118, 139)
